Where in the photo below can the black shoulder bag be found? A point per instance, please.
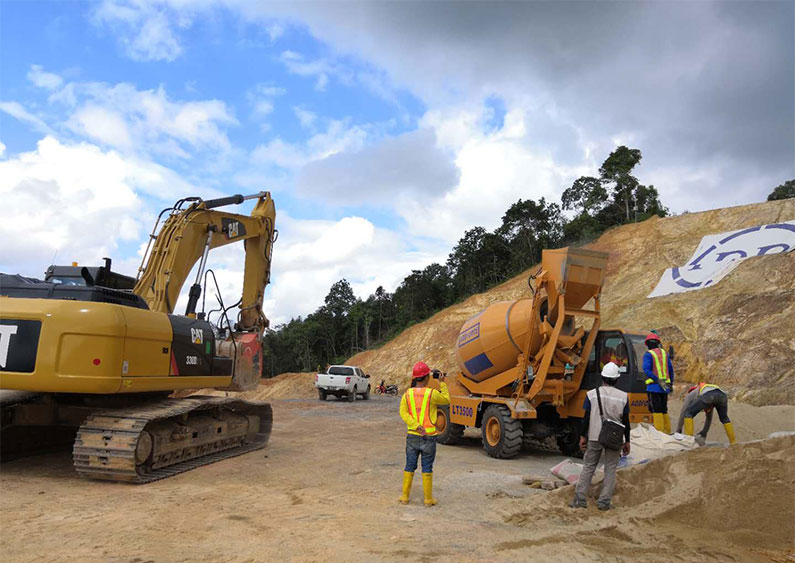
(612, 434)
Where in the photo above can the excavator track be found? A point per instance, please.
(156, 440)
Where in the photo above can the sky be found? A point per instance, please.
(383, 130)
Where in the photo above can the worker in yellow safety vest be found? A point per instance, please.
(418, 408)
(659, 382)
(705, 397)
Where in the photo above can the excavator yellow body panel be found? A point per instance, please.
(95, 348)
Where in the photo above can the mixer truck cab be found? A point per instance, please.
(526, 365)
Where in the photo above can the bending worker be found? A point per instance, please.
(609, 404)
(418, 411)
(659, 381)
(705, 397)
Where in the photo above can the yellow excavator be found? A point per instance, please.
(92, 356)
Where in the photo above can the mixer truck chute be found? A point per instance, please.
(526, 365)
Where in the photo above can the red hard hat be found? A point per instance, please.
(420, 370)
(652, 336)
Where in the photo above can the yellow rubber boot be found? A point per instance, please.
(658, 422)
(667, 423)
(408, 479)
(688, 426)
(730, 432)
(427, 488)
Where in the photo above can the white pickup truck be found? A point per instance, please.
(343, 381)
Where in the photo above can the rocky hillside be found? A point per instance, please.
(739, 333)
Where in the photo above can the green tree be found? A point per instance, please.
(784, 191)
(586, 195)
(617, 170)
(527, 229)
(340, 298)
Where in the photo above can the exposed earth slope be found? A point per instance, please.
(739, 333)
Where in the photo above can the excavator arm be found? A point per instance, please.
(188, 235)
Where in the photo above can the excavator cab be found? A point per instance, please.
(89, 276)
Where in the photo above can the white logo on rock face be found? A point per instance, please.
(6, 332)
(719, 254)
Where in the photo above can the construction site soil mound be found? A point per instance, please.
(733, 504)
(283, 386)
(739, 333)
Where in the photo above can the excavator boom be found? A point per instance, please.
(187, 237)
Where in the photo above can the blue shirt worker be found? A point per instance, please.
(418, 408)
(659, 381)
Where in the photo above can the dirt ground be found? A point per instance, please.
(325, 489)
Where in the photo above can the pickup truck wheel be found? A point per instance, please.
(502, 435)
(366, 394)
(352, 396)
(321, 394)
(449, 432)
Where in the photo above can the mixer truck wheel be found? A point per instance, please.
(502, 435)
(449, 432)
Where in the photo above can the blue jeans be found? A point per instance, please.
(416, 445)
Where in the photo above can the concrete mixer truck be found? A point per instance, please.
(526, 365)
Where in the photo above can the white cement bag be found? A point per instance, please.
(648, 443)
(570, 472)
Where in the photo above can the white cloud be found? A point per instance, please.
(43, 79)
(80, 201)
(409, 164)
(116, 114)
(339, 136)
(74, 199)
(261, 98)
(2, 149)
(144, 29)
(305, 117)
(103, 125)
(319, 69)
(16, 110)
(311, 255)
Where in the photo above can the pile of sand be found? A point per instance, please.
(286, 385)
(734, 503)
(739, 333)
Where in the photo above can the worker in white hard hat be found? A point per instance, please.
(605, 403)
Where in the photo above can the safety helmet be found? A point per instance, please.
(420, 370)
(652, 337)
(610, 371)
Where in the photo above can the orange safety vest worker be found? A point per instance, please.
(417, 404)
(659, 365)
(704, 387)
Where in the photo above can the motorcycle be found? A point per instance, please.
(382, 389)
